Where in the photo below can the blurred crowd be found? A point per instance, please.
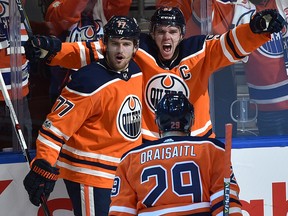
(265, 71)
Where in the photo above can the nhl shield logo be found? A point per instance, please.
(129, 118)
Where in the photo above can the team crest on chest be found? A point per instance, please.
(274, 47)
(129, 118)
(161, 84)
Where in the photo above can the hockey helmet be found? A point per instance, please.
(168, 16)
(174, 112)
(122, 27)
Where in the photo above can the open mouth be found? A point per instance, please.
(119, 58)
(167, 47)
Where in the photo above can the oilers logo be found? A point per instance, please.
(274, 47)
(86, 30)
(129, 118)
(161, 84)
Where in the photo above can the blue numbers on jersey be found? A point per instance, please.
(161, 183)
(64, 104)
(116, 186)
(194, 188)
(180, 188)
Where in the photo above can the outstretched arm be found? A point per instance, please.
(246, 38)
(240, 41)
(78, 54)
(69, 55)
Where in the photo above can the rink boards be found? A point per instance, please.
(260, 166)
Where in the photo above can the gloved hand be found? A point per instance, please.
(42, 47)
(268, 20)
(40, 180)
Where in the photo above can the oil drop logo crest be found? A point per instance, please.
(129, 118)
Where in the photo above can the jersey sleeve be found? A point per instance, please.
(67, 116)
(235, 45)
(78, 54)
(64, 13)
(123, 196)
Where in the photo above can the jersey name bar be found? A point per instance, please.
(167, 153)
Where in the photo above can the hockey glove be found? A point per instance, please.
(40, 180)
(42, 47)
(268, 20)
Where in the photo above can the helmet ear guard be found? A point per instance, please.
(122, 27)
(172, 16)
(174, 112)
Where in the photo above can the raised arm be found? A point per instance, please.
(239, 42)
(69, 55)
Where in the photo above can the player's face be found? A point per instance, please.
(167, 39)
(119, 52)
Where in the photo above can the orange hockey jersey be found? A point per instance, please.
(5, 51)
(96, 119)
(198, 58)
(84, 19)
(173, 176)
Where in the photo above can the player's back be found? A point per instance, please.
(172, 176)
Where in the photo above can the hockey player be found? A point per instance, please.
(175, 175)
(94, 121)
(171, 63)
(74, 21)
(265, 70)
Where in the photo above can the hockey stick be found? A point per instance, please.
(25, 20)
(227, 168)
(19, 134)
(14, 119)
